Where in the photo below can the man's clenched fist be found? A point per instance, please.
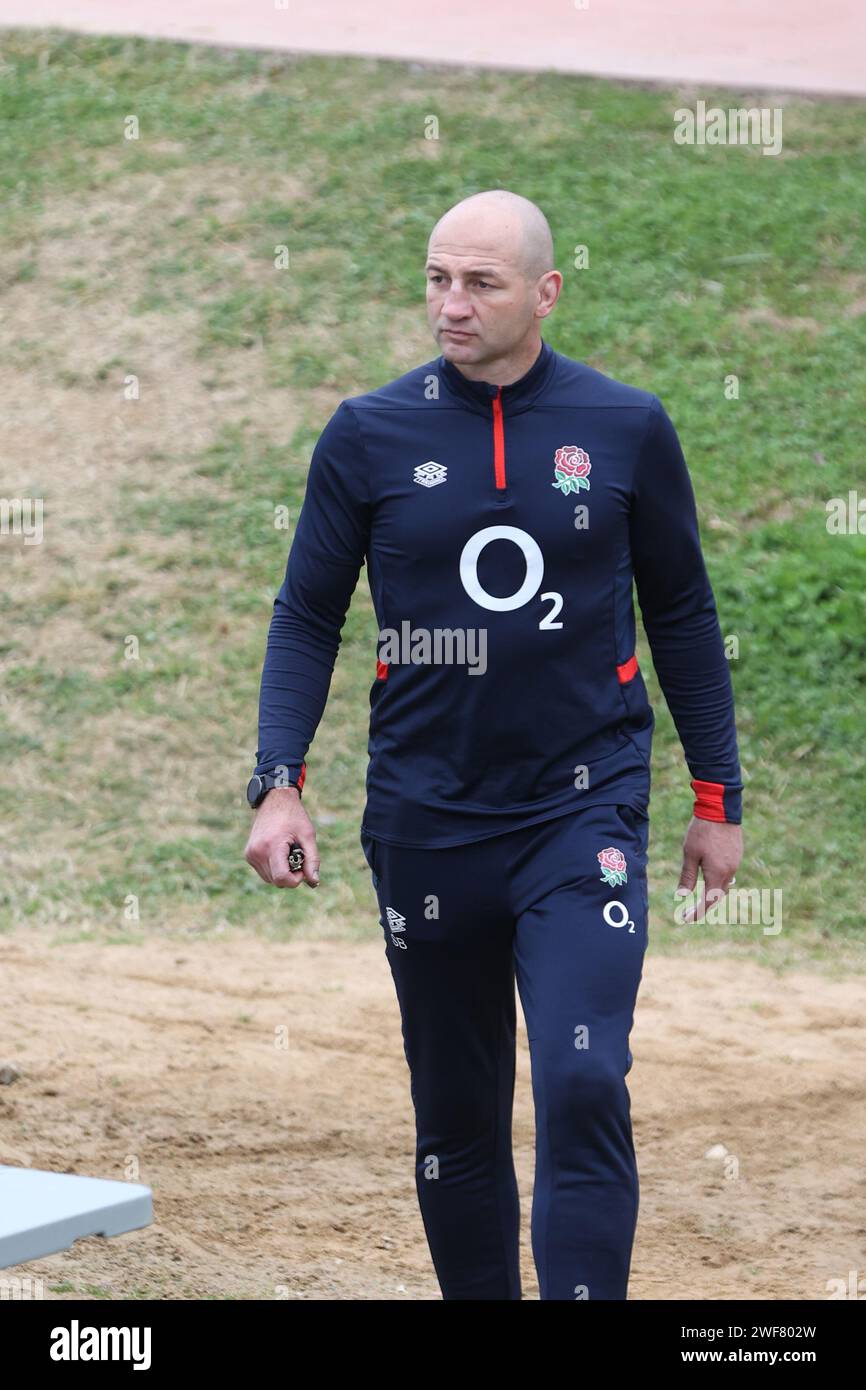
(280, 821)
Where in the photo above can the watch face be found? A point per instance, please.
(255, 788)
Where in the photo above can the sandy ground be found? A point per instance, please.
(285, 1171)
(793, 45)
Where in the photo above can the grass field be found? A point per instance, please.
(153, 258)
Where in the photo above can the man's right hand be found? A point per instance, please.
(281, 821)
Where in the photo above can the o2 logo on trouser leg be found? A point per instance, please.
(531, 584)
(616, 915)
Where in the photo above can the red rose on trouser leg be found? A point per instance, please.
(613, 866)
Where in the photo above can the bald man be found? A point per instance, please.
(505, 499)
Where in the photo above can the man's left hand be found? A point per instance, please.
(716, 849)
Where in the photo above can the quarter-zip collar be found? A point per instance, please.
(515, 397)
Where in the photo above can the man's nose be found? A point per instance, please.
(456, 303)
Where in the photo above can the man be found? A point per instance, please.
(505, 497)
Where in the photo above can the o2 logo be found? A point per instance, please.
(531, 584)
(621, 910)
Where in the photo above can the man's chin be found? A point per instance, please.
(457, 346)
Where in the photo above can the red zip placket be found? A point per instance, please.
(498, 440)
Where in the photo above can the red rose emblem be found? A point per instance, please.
(613, 866)
(571, 467)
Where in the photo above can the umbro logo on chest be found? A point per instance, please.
(430, 474)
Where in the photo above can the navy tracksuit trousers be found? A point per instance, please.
(561, 906)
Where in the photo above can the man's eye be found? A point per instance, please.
(484, 285)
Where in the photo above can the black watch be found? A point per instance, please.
(259, 786)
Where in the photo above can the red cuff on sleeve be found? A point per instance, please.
(709, 800)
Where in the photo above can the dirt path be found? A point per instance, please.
(751, 44)
(286, 1171)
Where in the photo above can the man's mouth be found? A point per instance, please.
(457, 333)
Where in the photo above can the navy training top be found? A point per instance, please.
(502, 528)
